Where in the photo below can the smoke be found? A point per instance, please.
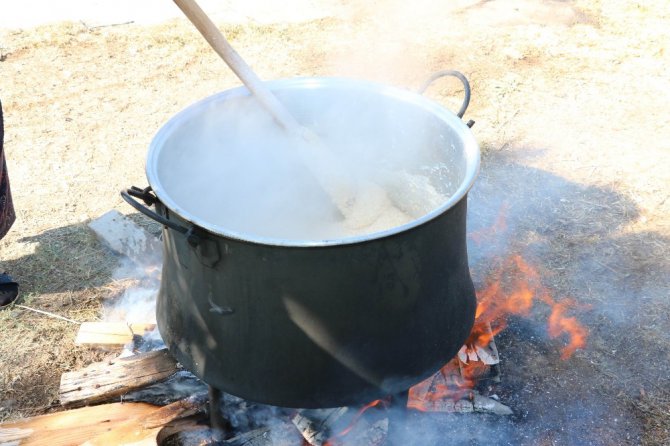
(256, 183)
(572, 234)
(230, 165)
(140, 278)
(136, 305)
(387, 40)
(513, 209)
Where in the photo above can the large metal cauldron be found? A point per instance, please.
(316, 323)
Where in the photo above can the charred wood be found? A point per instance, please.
(280, 434)
(189, 431)
(144, 430)
(312, 432)
(366, 433)
(485, 404)
(178, 386)
(105, 380)
(316, 425)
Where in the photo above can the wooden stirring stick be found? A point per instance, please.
(241, 69)
(361, 202)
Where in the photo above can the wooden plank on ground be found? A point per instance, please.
(126, 237)
(143, 430)
(71, 427)
(110, 334)
(104, 380)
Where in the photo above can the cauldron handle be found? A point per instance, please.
(461, 77)
(149, 199)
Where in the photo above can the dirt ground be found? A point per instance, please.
(570, 100)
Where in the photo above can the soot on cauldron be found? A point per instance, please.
(318, 312)
(467, 384)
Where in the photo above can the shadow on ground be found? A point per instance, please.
(614, 391)
(69, 273)
(68, 258)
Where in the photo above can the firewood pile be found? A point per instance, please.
(145, 398)
(105, 403)
(140, 395)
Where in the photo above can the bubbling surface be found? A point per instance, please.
(233, 167)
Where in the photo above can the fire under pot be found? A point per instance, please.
(317, 320)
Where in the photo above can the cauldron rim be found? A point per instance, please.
(471, 155)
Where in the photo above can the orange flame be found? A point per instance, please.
(426, 394)
(524, 285)
(559, 324)
(512, 290)
(499, 226)
(451, 384)
(334, 441)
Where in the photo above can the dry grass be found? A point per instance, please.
(570, 96)
(68, 275)
(88, 150)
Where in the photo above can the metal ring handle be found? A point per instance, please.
(461, 77)
(125, 194)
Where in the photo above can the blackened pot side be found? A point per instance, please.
(318, 327)
(316, 322)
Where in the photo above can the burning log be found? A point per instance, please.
(489, 405)
(104, 380)
(452, 390)
(178, 386)
(196, 431)
(364, 426)
(316, 425)
(314, 435)
(256, 437)
(484, 367)
(110, 334)
(144, 429)
(282, 434)
(341, 426)
(488, 354)
(463, 406)
(473, 402)
(72, 427)
(366, 433)
(189, 431)
(480, 347)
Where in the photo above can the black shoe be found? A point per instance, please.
(9, 290)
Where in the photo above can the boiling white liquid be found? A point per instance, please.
(246, 178)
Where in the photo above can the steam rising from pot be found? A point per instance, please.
(228, 164)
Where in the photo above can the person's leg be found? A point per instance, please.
(6, 209)
(9, 289)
